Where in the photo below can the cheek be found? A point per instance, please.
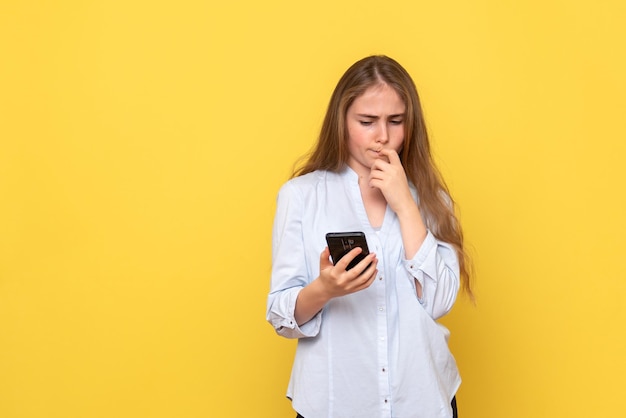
(351, 142)
(356, 137)
(398, 139)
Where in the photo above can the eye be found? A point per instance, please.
(365, 122)
(396, 121)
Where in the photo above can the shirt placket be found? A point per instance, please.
(382, 335)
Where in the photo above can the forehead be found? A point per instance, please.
(378, 99)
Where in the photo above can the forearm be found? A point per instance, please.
(413, 233)
(412, 229)
(310, 301)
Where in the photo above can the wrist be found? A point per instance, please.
(311, 300)
(318, 291)
(408, 210)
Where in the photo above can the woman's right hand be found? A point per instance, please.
(334, 281)
(337, 281)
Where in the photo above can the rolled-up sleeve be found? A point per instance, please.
(281, 306)
(435, 266)
(289, 267)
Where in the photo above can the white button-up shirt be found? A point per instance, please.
(374, 353)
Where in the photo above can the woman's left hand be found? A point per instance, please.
(390, 178)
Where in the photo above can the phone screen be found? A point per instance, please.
(341, 243)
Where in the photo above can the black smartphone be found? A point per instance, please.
(340, 243)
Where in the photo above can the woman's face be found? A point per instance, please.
(375, 121)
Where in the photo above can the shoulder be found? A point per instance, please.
(307, 182)
(308, 179)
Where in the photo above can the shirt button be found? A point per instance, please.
(380, 278)
(381, 309)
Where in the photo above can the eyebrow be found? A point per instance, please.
(364, 115)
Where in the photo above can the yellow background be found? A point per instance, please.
(143, 143)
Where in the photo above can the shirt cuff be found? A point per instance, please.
(284, 321)
(415, 266)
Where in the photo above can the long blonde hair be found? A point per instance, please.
(331, 151)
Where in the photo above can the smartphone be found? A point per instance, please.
(341, 243)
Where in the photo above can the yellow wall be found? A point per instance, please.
(143, 143)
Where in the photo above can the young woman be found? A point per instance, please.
(368, 341)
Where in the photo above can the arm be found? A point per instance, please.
(289, 266)
(413, 232)
(294, 301)
(432, 263)
(391, 179)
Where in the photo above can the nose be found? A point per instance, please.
(383, 134)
